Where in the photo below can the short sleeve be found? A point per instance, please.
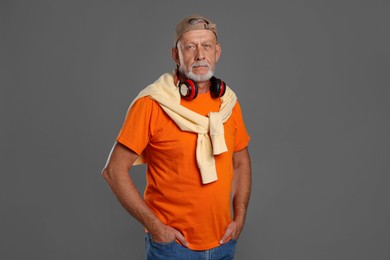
(135, 131)
(242, 137)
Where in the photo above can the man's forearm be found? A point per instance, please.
(241, 199)
(241, 185)
(129, 197)
(241, 194)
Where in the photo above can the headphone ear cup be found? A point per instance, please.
(188, 89)
(217, 88)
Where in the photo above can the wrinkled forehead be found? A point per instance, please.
(197, 37)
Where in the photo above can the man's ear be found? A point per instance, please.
(175, 55)
(218, 51)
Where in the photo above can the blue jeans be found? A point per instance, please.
(173, 250)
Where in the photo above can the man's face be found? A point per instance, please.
(196, 54)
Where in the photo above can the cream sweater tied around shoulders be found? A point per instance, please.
(166, 93)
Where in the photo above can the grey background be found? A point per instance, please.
(312, 78)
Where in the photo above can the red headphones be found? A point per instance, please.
(189, 89)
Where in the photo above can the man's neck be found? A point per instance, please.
(203, 86)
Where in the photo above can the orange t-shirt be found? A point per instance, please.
(174, 190)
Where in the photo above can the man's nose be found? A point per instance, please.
(200, 54)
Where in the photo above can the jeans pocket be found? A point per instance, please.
(149, 237)
(160, 250)
(162, 243)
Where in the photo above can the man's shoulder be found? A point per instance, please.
(146, 103)
(146, 100)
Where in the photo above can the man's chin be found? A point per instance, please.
(199, 77)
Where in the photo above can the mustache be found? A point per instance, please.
(200, 64)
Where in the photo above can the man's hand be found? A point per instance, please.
(168, 234)
(233, 230)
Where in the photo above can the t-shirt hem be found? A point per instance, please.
(129, 145)
(241, 147)
(204, 247)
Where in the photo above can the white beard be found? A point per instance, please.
(195, 77)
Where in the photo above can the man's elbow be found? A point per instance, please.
(107, 173)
